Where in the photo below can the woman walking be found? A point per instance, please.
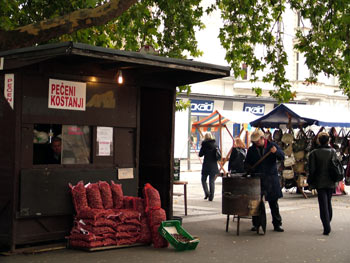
(210, 166)
(320, 179)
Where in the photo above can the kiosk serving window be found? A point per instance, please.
(61, 144)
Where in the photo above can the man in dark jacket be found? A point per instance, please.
(210, 165)
(319, 178)
(267, 169)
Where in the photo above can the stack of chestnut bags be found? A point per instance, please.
(105, 217)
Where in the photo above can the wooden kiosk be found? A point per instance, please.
(109, 131)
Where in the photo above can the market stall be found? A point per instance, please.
(67, 94)
(298, 137)
(218, 121)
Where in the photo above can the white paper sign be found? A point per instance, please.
(9, 88)
(105, 134)
(67, 95)
(125, 173)
(104, 148)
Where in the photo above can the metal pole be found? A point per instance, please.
(188, 143)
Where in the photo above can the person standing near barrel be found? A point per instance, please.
(270, 184)
(210, 165)
(237, 157)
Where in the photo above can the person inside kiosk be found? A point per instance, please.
(54, 153)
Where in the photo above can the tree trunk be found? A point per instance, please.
(45, 30)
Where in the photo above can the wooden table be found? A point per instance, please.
(184, 183)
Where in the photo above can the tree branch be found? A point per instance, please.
(51, 28)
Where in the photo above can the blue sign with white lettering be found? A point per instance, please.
(202, 106)
(257, 109)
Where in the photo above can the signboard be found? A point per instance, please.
(9, 88)
(67, 95)
(202, 106)
(257, 109)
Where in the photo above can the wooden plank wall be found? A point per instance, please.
(7, 153)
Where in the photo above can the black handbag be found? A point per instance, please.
(336, 169)
(311, 140)
(262, 217)
(217, 154)
(300, 142)
(339, 139)
(345, 145)
(277, 135)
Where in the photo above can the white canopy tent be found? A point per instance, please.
(303, 115)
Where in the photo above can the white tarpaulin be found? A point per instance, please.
(323, 116)
(304, 115)
(238, 116)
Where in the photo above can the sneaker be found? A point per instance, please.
(254, 228)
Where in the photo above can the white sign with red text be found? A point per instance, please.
(9, 88)
(67, 95)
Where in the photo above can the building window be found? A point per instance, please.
(245, 69)
(298, 19)
(311, 74)
(296, 65)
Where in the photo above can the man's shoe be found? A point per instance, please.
(254, 228)
(326, 232)
(278, 229)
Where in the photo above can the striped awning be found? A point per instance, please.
(212, 122)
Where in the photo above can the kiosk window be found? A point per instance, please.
(61, 144)
(76, 142)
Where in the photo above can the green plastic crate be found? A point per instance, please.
(169, 227)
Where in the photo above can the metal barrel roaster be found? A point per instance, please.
(241, 195)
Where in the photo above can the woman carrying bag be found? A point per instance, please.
(210, 165)
(237, 157)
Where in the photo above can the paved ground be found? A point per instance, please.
(302, 240)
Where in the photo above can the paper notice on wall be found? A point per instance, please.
(9, 88)
(125, 173)
(104, 140)
(104, 148)
(105, 134)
